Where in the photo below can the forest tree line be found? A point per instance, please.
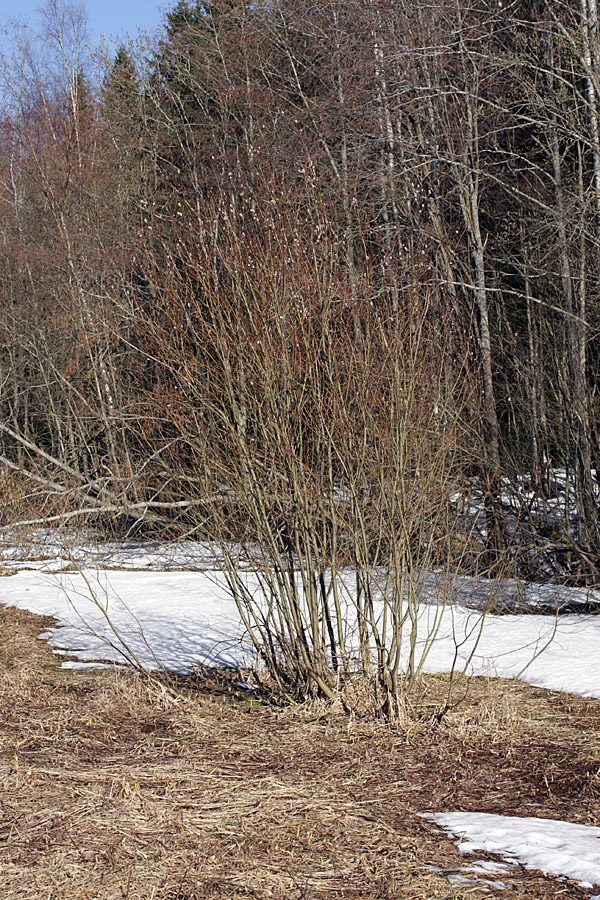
(295, 272)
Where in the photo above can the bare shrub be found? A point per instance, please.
(323, 435)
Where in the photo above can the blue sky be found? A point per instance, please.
(109, 17)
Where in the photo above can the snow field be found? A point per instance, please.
(182, 619)
(554, 847)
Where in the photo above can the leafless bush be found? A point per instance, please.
(323, 435)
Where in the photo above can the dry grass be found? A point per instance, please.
(112, 789)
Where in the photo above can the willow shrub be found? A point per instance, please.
(321, 427)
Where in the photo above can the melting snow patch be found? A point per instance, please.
(553, 847)
(487, 867)
(479, 867)
(180, 620)
(462, 881)
(75, 664)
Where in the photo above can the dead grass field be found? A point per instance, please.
(112, 789)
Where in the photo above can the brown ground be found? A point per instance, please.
(112, 789)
